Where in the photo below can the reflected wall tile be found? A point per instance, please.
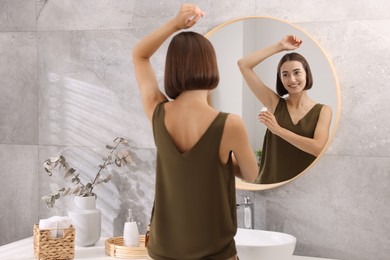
(17, 15)
(18, 86)
(19, 192)
(311, 11)
(84, 14)
(331, 209)
(88, 94)
(362, 69)
(132, 186)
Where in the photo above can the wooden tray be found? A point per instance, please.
(115, 248)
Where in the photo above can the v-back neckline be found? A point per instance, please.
(308, 112)
(193, 147)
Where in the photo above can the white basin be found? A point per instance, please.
(265, 245)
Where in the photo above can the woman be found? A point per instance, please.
(194, 213)
(297, 127)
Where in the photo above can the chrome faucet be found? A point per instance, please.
(249, 221)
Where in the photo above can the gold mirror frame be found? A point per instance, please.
(241, 185)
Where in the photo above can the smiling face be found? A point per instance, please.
(293, 76)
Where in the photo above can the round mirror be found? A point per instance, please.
(233, 40)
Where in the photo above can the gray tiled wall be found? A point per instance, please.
(67, 82)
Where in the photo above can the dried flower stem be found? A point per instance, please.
(104, 165)
(80, 188)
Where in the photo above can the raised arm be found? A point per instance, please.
(151, 95)
(266, 95)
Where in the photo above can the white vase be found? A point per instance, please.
(86, 219)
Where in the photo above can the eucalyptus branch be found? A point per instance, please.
(105, 162)
(81, 189)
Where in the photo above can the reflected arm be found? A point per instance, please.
(266, 95)
(313, 145)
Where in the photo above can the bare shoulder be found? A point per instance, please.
(234, 122)
(234, 127)
(234, 135)
(325, 117)
(326, 110)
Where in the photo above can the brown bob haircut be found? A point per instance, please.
(290, 57)
(191, 64)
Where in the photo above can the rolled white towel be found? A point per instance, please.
(56, 224)
(63, 222)
(49, 223)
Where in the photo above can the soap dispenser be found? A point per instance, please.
(130, 231)
(248, 213)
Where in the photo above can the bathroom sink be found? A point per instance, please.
(260, 244)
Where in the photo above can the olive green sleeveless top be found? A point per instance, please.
(194, 212)
(281, 160)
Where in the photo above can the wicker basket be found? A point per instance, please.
(46, 247)
(115, 248)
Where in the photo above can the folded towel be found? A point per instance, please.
(62, 222)
(56, 225)
(49, 224)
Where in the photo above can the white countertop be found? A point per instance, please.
(23, 250)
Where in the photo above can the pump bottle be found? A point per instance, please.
(130, 231)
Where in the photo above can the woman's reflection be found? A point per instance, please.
(297, 126)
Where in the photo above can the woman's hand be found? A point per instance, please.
(188, 15)
(269, 120)
(290, 42)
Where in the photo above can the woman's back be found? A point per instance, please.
(194, 209)
(194, 213)
(187, 119)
